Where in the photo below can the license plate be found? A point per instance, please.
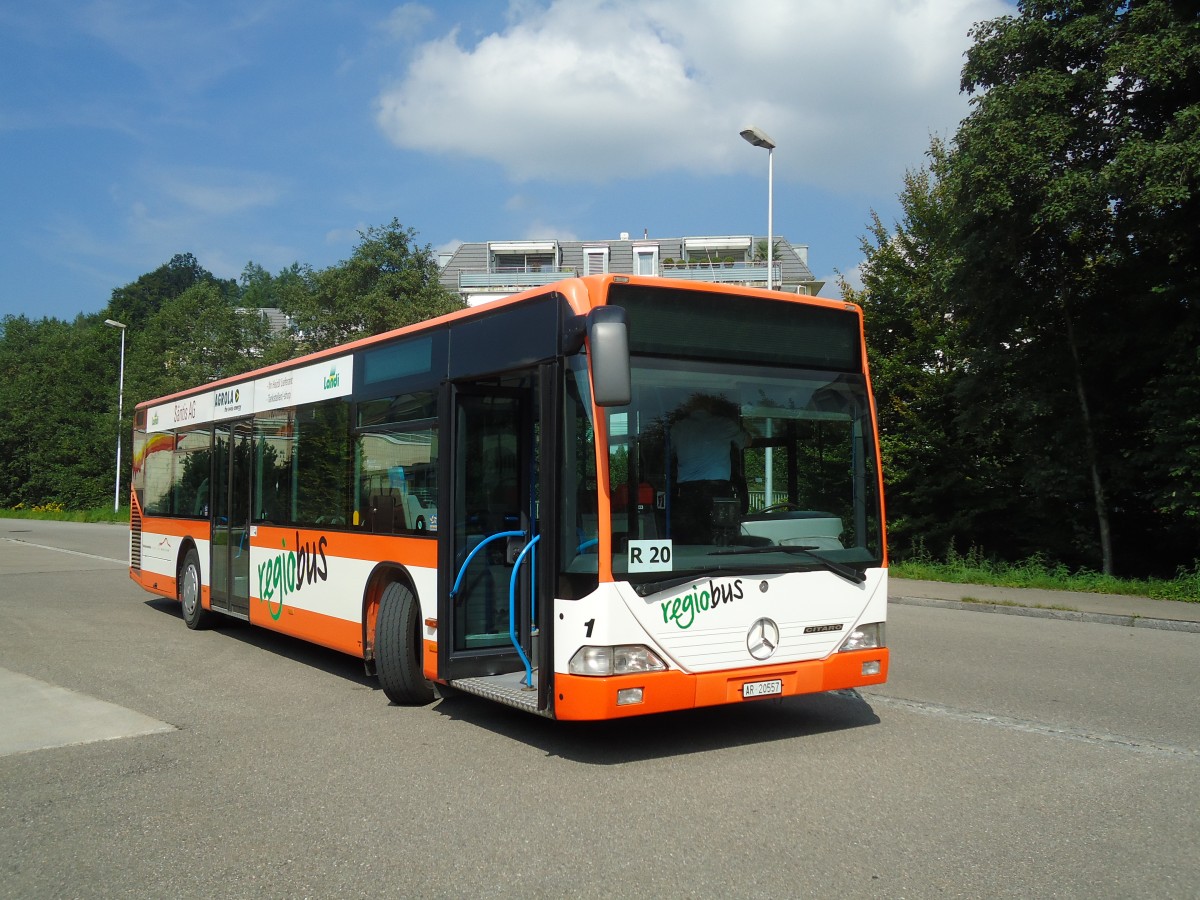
(761, 689)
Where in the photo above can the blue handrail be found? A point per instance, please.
(512, 609)
(470, 556)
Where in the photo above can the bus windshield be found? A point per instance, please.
(742, 468)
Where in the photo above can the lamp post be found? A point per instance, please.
(120, 412)
(758, 138)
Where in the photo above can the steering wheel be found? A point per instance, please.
(777, 507)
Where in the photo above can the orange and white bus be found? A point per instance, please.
(609, 496)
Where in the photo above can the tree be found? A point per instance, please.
(186, 327)
(946, 483)
(136, 302)
(196, 337)
(387, 283)
(258, 289)
(1056, 238)
(1155, 174)
(1079, 105)
(58, 411)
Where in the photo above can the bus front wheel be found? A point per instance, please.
(398, 647)
(194, 614)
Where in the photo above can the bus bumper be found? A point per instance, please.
(580, 697)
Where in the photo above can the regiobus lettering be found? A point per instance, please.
(682, 611)
(289, 571)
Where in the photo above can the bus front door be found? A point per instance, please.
(232, 464)
(491, 473)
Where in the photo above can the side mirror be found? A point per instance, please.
(608, 351)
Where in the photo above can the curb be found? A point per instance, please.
(1066, 615)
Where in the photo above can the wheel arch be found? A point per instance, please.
(186, 545)
(382, 575)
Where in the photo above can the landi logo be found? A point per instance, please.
(332, 380)
(154, 418)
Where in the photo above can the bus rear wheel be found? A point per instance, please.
(398, 647)
(194, 614)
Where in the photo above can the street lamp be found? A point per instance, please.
(758, 138)
(120, 411)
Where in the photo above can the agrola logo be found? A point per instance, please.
(229, 397)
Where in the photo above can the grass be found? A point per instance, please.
(56, 513)
(1037, 573)
(1016, 605)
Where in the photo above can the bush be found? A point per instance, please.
(974, 567)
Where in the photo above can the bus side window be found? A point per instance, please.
(397, 480)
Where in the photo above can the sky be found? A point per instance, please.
(273, 131)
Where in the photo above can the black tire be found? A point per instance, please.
(399, 648)
(189, 591)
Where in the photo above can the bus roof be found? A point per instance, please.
(581, 294)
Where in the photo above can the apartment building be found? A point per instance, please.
(486, 271)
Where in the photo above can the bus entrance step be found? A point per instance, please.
(506, 689)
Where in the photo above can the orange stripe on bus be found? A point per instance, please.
(328, 631)
(430, 661)
(197, 529)
(410, 551)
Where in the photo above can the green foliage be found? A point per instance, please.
(135, 303)
(1033, 319)
(196, 337)
(58, 419)
(260, 290)
(387, 283)
(59, 380)
(55, 512)
(935, 489)
(760, 251)
(1036, 571)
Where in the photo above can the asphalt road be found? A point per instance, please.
(1006, 757)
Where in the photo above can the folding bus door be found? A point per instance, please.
(232, 467)
(487, 551)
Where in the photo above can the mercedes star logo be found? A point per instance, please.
(763, 639)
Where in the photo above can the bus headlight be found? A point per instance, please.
(623, 659)
(864, 637)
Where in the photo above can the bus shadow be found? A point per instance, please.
(331, 662)
(684, 733)
(636, 739)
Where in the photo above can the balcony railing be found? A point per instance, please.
(732, 273)
(514, 277)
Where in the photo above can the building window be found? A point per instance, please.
(595, 260)
(645, 260)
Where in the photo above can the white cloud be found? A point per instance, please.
(600, 89)
(853, 278)
(448, 248)
(217, 192)
(407, 21)
(345, 236)
(182, 47)
(542, 231)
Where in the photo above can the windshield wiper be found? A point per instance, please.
(836, 568)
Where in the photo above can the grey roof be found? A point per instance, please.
(495, 268)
